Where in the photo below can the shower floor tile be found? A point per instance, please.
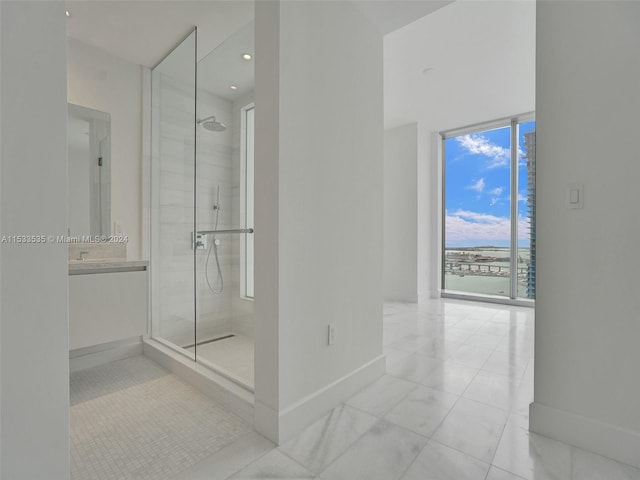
(132, 419)
(233, 354)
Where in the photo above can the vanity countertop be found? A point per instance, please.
(106, 266)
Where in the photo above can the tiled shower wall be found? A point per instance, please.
(214, 168)
(218, 163)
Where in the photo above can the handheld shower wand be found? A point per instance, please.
(216, 206)
(214, 246)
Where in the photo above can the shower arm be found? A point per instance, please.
(236, 230)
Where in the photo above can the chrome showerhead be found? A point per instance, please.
(211, 124)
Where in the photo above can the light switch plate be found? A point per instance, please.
(575, 195)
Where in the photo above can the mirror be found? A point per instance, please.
(89, 148)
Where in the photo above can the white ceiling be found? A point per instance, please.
(144, 31)
(390, 15)
(221, 68)
(470, 62)
(225, 66)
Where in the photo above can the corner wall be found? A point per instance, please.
(319, 183)
(34, 354)
(587, 326)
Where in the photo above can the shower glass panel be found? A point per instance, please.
(224, 316)
(173, 165)
(202, 204)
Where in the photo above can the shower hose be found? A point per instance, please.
(213, 246)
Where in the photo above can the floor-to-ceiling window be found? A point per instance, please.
(489, 210)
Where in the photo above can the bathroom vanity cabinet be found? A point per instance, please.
(108, 302)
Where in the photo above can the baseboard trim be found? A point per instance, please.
(593, 435)
(279, 427)
(266, 421)
(87, 357)
(215, 386)
(404, 297)
(426, 296)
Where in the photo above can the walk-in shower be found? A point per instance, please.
(202, 205)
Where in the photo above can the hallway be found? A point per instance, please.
(453, 405)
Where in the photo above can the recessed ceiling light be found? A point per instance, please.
(247, 56)
(67, 13)
(233, 87)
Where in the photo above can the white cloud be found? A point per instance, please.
(477, 144)
(464, 226)
(478, 217)
(496, 196)
(478, 186)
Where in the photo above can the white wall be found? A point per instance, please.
(34, 356)
(401, 213)
(103, 82)
(318, 209)
(482, 60)
(587, 328)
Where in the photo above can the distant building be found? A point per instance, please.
(530, 156)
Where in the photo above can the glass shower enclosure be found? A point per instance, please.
(202, 204)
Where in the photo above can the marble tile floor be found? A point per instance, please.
(453, 405)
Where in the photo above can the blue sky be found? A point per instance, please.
(478, 189)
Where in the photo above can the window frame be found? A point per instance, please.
(514, 122)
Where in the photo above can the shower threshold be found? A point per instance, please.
(231, 355)
(212, 381)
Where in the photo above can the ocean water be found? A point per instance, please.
(493, 283)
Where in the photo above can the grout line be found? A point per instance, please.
(507, 472)
(378, 419)
(389, 409)
(504, 427)
(252, 462)
(463, 453)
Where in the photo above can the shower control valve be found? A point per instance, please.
(199, 241)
